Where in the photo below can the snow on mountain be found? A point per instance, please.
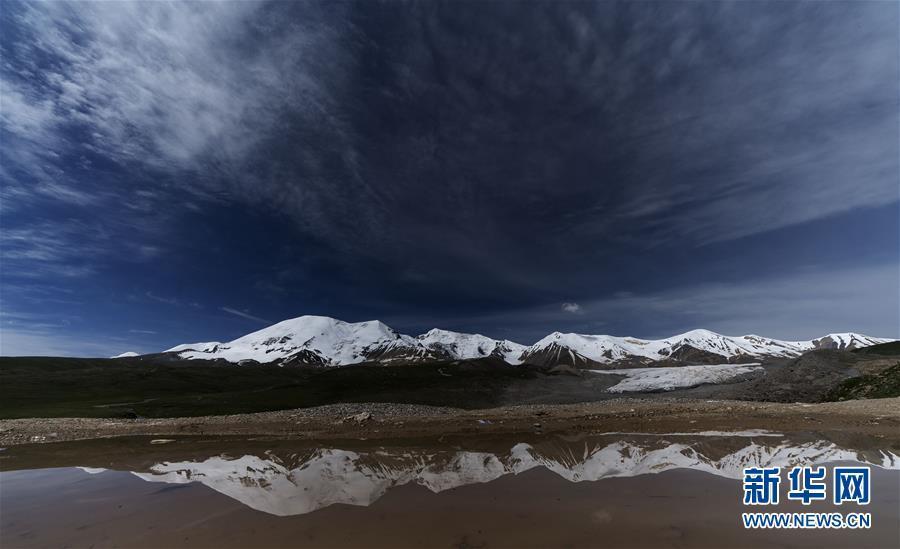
(127, 354)
(305, 482)
(696, 346)
(465, 346)
(206, 347)
(847, 340)
(267, 485)
(675, 377)
(318, 339)
(324, 341)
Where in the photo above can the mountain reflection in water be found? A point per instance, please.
(293, 479)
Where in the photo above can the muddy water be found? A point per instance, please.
(616, 490)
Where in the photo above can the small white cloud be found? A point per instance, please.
(573, 308)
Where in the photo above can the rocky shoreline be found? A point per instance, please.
(877, 417)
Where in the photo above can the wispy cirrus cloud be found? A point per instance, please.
(69, 246)
(166, 86)
(141, 77)
(56, 341)
(158, 84)
(146, 110)
(501, 157)
(163, 299)
(246, 315)
(58, 334)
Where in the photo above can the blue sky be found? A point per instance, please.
(189, 172)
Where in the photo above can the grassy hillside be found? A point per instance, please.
(881, 385)
(73, 387)
(887, 349)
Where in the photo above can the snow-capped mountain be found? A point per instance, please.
(694, 347)
(324, 341)
(465, 346)
(309, 480)
(313, 340)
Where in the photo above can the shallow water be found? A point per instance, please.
(614, 490)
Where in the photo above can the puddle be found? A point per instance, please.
(616, 489)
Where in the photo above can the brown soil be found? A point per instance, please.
(878, 417)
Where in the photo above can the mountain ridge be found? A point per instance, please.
(325, 342)
(311, 480)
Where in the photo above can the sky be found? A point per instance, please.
(196, 171)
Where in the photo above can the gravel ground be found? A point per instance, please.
(879, 417)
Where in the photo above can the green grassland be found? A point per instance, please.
(76, 387)
(163, 386)
(881, 385)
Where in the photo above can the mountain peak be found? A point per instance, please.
(327, 341)
(698, 345)
(697, 333)
(465, 346)
(846, 340)
(322, 339)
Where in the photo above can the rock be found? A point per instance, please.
(564, 370)
(361, 417)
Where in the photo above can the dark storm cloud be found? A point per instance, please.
(460, 155)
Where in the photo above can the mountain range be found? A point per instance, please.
(324, 341)
(313, 478)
